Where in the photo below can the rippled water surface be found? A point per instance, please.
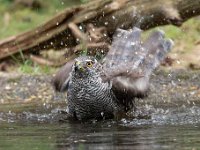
(98, 136)
(162, 128)
(169, 118)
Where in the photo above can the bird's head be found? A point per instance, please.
(84, 66)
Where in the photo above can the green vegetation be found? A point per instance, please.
(186, 35)
(29, 67)
(32, 68)
(16, 18)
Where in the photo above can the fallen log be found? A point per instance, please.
(68, 28)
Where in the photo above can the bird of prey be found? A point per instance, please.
(101, 90)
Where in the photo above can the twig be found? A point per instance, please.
(101, 45)
(91, 46)
(96, 34)
(77, 33)
(43, 61)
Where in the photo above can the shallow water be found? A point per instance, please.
(98, 136)
(150, 128)
(168, 119)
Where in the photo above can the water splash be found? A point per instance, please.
(169, 116)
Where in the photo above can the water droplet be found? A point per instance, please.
(173, 83)
(106, 23)
(132, 43)
(57, 23)
(113, 17)
(192, 111)
(82, 140)
(80, 27)
(192, 93)
(2, 100)
(8, 87)
(102, 114)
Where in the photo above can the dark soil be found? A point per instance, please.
(167, 88)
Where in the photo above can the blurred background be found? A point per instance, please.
(18, 16)
(22, 15)
(30, 108)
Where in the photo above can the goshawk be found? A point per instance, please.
(97, 90)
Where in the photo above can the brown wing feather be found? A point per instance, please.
(60, 81)
(130, 63)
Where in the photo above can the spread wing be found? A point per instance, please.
(130, 62)
(61, 79)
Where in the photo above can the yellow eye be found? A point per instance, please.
(89, 63)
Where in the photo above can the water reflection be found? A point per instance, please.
(101, 135)
(114, 136)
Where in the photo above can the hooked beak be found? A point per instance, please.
(78, 66)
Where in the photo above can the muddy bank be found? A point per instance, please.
(35, 92)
